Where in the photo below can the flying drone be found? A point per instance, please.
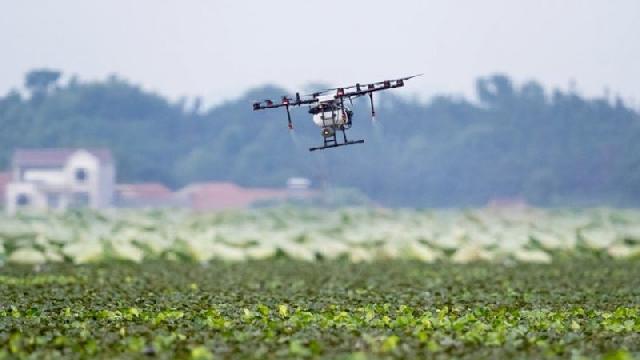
(330, 111)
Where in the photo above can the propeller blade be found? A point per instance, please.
(410, 77)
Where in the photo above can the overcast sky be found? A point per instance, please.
(219, 48)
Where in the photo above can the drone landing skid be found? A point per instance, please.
(333, 145)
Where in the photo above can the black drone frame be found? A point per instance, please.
(349, 92)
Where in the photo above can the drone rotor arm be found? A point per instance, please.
(365, 89)
(269, 104)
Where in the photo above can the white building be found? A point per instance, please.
(59, 179)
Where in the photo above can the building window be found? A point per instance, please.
(23, 200)
(81, 175)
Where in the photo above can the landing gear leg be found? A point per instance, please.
(331, 140)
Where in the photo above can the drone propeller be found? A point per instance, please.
(411, 77)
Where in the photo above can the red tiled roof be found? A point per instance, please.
(54, 156)
(215, 196)
(143, 191)
(5, 178)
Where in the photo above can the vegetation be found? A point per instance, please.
(577, 308)
(517, 141)
(358, 235)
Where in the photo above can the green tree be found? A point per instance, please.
(41, 80)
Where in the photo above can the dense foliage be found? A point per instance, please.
(517, 141)
(581, 307)
(359, 235)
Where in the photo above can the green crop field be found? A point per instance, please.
(296, 283)
(587, 306)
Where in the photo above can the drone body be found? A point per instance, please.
(329, 110)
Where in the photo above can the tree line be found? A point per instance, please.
(550, 148)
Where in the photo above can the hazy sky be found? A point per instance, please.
(219, 48)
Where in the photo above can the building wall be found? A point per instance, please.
(37, 199)
(52, 177)
(82, 181)
(89, 184)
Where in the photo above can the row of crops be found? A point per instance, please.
(359, 235)
(575, 308)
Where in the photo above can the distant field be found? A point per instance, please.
(358, 235)
(582, 306)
